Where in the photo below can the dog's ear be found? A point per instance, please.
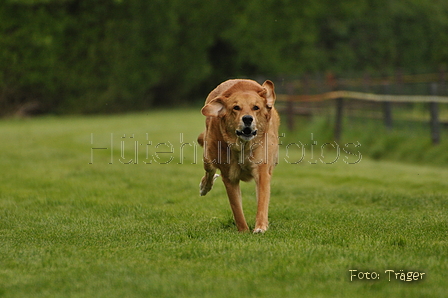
(214, 108)
(268, 93)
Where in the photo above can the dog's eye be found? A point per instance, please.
(236, 108)
(256, 108)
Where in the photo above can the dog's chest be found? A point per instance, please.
(241, 168)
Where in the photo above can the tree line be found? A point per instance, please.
(81, 56)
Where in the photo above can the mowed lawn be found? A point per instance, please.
(109, 206)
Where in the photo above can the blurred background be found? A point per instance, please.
(105, 56)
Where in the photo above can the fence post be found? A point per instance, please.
(387, 107)
(434, 122)
(399, 81)
(338, 120)
(290, 106)
(333, 84)
(367, 82)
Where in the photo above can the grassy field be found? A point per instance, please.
(127, 220)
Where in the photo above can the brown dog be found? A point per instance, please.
(241, 140)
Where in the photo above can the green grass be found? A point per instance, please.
(73, 229)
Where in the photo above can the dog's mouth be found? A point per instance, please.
(247, 133)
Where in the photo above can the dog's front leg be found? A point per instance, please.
(263, 182)
(207, 181)
(234, 194)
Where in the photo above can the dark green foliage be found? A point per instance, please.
(74, 56)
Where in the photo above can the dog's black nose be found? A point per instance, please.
(247, 120)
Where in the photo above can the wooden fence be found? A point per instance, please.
(437, 86)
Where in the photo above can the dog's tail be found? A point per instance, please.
(201, 139)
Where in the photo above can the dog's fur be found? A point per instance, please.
(241, 140)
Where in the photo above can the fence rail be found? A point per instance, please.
(362, 96)
(437, 84)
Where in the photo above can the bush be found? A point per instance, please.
(79, 56)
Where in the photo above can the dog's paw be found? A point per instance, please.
(259, 231)
(205, 187)
(203, 190)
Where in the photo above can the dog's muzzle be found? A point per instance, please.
(247, 132)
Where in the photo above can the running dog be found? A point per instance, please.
(241, 140)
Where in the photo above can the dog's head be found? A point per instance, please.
(245, 109)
